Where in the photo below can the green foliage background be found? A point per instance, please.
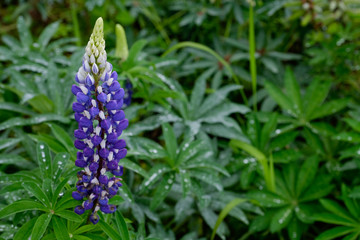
(234, 133)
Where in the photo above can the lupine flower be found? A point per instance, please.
(101, 121)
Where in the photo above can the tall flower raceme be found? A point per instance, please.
(101, 121)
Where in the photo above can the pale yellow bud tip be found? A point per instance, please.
(98, 28)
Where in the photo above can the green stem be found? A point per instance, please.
(252, 53)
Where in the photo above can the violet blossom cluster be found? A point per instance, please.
(101, 121)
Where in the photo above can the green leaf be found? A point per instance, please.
(59, 163)
(208, 177)
(332, 219)
(85, 228)
(54, 145)
(47, 34)
(9, 142)
(307, 174)
(293, 90)
(121, 226)
(334, 233)
(281, 219)
(203, 163)
(69, 215)
(40, 118)
(315, 95)
(354, 124)
(335, 208)
(24, 33)
(134, 167)
(34, 189)
(155, 174)
(329, 108)
(185, 181)
(135, 50)
(207, 50)
(279, 97)
(198, 91)
(351, 204)
(60, 229)
(15, 160)
(25, 231)
(170, 142)
(267, 199)
(44, 159)
(190, 149)
(40, 226)
(162, 190)
(267, 130)
(109, 231)
(270, 64)
(225, 212)
(63, 137)
(13, 107)
(21, 206)
(215, 99)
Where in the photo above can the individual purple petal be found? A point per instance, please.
(81, 97)
(102, 97)
(118, 116)
(114, 86)
(94, 218)
(120, 144)
(119, 94)
(80, 134)
(75, 89)
(121, 154)
(123, 124)
(79, 144)
(77, 195)
(79, 210)
(78, 107)
(80, 163)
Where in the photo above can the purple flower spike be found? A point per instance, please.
(99, 98)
